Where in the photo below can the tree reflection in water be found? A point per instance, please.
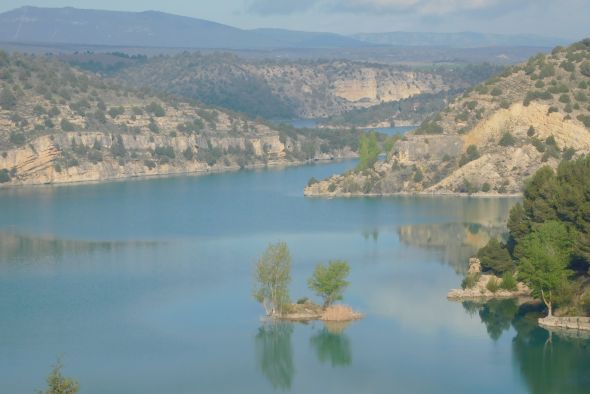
(274, 352)
(332, 345)
(548, 362)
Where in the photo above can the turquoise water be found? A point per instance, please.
(144, 287)
(311, 123)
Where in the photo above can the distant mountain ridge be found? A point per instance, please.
(158, 29)
(458, 40)
(148, 29)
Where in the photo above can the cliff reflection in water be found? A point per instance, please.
(548, 362)
(274, 350)
(16, 247)
(481, 220)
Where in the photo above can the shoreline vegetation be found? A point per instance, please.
(546, 253)
(272, 277)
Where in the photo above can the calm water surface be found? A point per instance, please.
(144, 287)
(311, 123)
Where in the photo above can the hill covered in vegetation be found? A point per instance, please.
(59, 124)
(491, 138)
(296, 88)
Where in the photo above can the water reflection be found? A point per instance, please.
(274, 352)
(497, 315)
(548, 362)
(17, 247)
(456, 241)
(332, 347)
(473, 224)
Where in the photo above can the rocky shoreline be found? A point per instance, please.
(173, 171)
(480, 289)
(577, 323)
(309, 311)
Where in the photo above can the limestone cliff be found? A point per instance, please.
(285, 89)
(58, 125)
(492, 138)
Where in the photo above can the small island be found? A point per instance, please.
(272, 278)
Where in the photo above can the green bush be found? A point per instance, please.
(165, 151)
(585, 68)
(493, 285)
(7, 99)
(531, 131)
(568, 153)
(429, 127)
(486, 187)
(17, 138)
(468, 187)
(116, 111)
(4, 176)
(565, 98)
(496, 91)
(149, 164)
(471, 154)
(188, 153)
(155, 109)
(66, 125)
(312, 181)
(153, 126)
(418, 176)
(495, 257)
(585, 119)
(118, 149)
(508, 281)
(470, 280)
(507, 139)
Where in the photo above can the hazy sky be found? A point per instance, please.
(561, 18)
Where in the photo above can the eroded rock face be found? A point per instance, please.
(59, 124)
(309, 89)
(474, 266)
(42, 161)
(490, 140)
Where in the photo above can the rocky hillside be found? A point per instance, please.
(58, 124)
(289, 89)
(490, 139)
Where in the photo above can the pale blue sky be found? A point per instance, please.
(560, 18)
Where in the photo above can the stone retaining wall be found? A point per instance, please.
(570, 323)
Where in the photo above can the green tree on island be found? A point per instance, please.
(329, 281)
(546, 255)
(368, 151)
(58, 384)
(272, 276)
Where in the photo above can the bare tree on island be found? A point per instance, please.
(272, 277)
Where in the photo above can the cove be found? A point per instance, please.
(145, 287)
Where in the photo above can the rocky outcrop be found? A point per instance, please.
(491, 139)
(481, 289)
